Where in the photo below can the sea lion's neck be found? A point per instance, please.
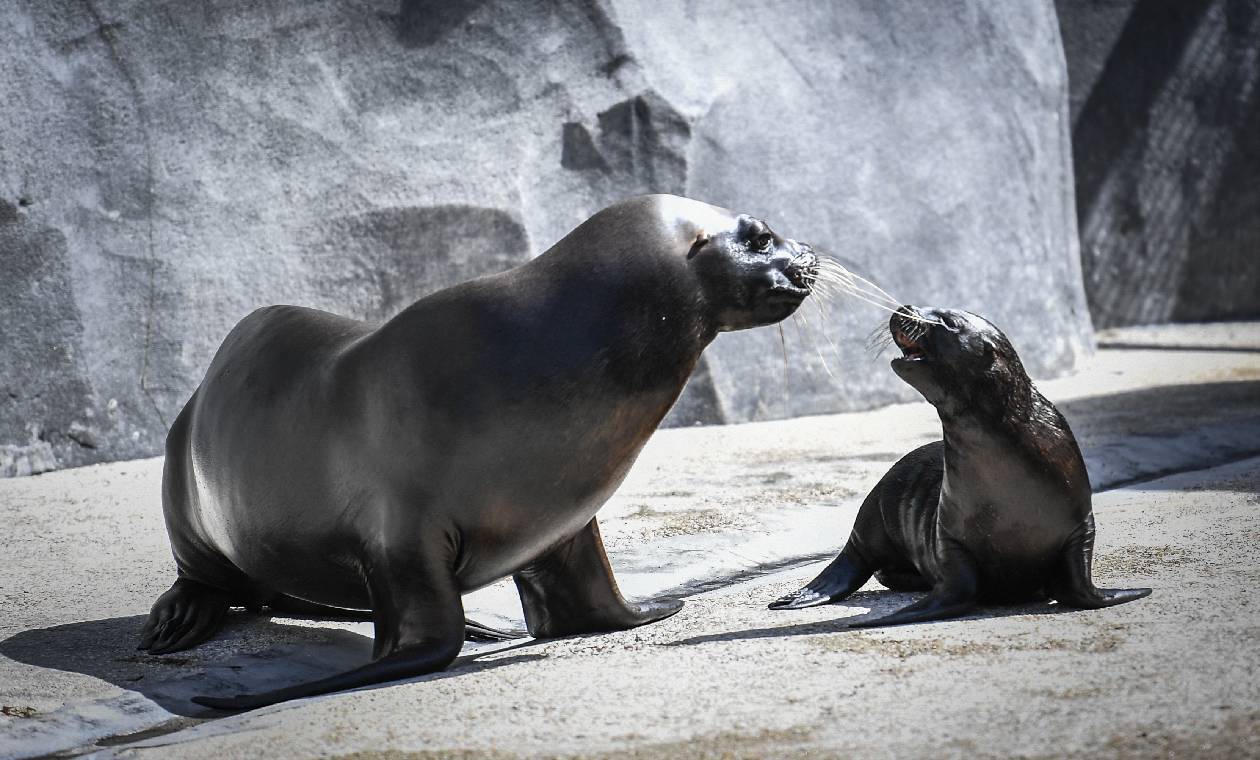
(641, 318)
(1020, 423)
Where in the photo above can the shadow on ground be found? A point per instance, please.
(1142, 435)
(878, 603)
(252, 653)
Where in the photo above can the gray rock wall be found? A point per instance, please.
(165, 168)
(1166, 137)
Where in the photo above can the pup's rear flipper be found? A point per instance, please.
(838, 580)
(183, 617)
(1074, 585)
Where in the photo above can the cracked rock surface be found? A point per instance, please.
(168, 169)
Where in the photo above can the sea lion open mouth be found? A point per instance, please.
(911, 350)
(910, 331)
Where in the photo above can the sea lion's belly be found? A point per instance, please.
(515, 532)
(510, 515)
(1014, 526)
(302, 509)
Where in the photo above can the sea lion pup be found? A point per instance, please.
(325, 463)
(998, 511)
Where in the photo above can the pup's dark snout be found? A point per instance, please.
(903, 318)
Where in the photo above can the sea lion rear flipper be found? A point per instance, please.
(186, 615)
(571, 590)
(473, 631)
(842, 577)
(292, 605)
(955, 593)
(419, 619)
(1074, 586)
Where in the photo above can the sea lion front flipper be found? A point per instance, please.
(571, 590)
(419, 618)
(842, 577)
(955, 592)
(187, 614)
(1074, 585)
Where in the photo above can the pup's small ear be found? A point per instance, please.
(701, 238)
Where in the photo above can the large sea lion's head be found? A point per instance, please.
(730, 270)
(749, 274)
(956, 359)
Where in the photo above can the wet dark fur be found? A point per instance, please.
(330, 466)
(1000, 510)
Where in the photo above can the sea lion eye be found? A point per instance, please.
(762, 242)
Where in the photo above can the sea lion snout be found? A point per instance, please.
(802, 269)
(752, 276)
(910, 328)
(956, 359)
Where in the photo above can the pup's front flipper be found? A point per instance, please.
(571, 590)
(1074, 585)
(842, 577)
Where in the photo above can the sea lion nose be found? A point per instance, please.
(802, 270)
(903, 317)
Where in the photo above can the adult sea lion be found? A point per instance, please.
(325, 463)
(999, 510)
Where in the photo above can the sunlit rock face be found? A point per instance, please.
(1166, 132)
(169, 168)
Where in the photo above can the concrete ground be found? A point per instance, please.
(729, 517)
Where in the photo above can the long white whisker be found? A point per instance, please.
(822, 320)
(874, 291)
(874, 303)
(830, 276)
(861, 285)
(833, 267)
(877, 288)
(783, 342)
(822, 358)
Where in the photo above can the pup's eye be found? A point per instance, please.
(762, 242)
